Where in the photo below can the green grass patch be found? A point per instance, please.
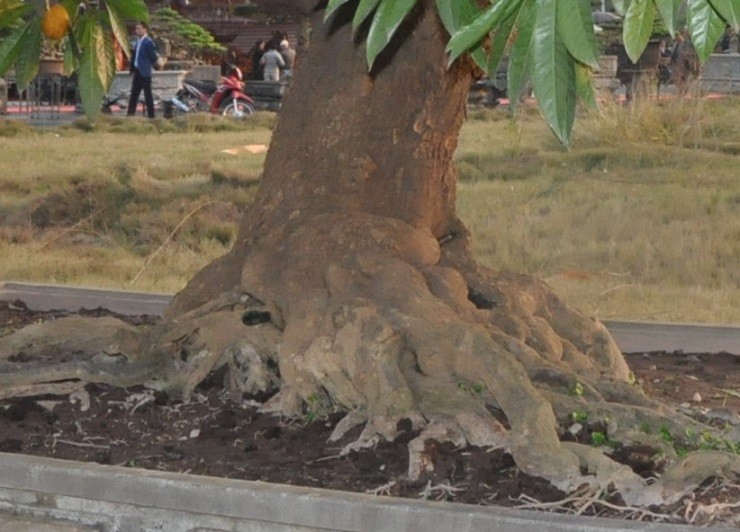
(640, 219)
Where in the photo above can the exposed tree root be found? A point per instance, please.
(401, 335)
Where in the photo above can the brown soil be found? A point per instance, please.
(214, 435)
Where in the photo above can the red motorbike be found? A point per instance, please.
(226, 98)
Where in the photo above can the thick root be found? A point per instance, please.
(369, 316)
(61, 356)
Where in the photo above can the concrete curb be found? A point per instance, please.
(116, 499)
(631, 336)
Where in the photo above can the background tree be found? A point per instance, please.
(188, 40)
(352, 285)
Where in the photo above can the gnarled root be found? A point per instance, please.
(370, 316)
(61, 356)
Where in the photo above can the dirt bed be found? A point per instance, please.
(217, 436)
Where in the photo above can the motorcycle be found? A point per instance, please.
(226, 98)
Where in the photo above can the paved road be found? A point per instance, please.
(631, 337)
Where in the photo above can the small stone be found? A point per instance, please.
(696, 398)
(194, 433)
(575, 428)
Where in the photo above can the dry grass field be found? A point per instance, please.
(639, 220)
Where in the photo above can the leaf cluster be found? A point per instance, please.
(184, 34)
(88, 47)
(550, 43)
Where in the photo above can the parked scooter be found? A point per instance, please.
(226, 98)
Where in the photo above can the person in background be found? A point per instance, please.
(288, 55)
(258, 50)
(272, 62)
(229, 63)
(142, 64)
(684, 61)
(729, 41)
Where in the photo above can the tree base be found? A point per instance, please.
(369, 316)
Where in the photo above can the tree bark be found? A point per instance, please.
(350, 141)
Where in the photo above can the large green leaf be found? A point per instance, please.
(70, 60)
(131, 10)
(332, 7)
(730, 11)
(27, 64)
(499, 44)
(585, 85)
(706, 27)
(620, 6)
(576, 27)
(11, 11)
(470, 36)
(456, 13)
(553, 74)
(638, 26)
(387, 19)
(363, 11)
(520, 55)
(119, 27)
(11, 46)
(669, 10)
(96, 69)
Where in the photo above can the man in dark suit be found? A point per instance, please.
(142, 64)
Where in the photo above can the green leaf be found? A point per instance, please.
(364, 10)
(706, 27)
(553, 74)
(520, 56)
(332, 7)
(456, 13)
(97, 65)
(27, 64)
(12, 11)
(387, 19)
(638, 25)
(585, 86)
(70, 59)
(471, 35)
(130, 10)
(115, 18)
(11, 46)
(499, 43)
(620, 6)
(668, 10)
(576, 27)
(729, 10)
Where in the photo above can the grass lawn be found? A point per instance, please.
(639, 220)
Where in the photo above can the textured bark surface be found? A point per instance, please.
(352, 287)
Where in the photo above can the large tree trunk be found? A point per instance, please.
(350, 142)
(352, 287)
(354, 251)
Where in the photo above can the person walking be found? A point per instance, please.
(288, 54)
(142, 65)
(272, 61)
(257, 70)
